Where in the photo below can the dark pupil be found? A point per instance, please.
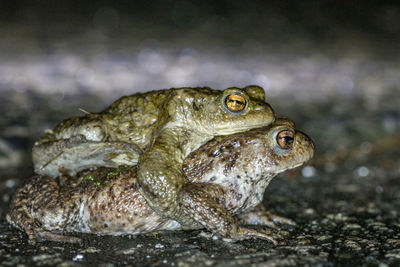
(288, 139)
(237, 102)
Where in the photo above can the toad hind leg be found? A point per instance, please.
(34, 206)
(75, 154)
(48, 236)
(80, 143)
(201, 202)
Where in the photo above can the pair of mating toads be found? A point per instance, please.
(184, 158)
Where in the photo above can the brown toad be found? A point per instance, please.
(227, 177)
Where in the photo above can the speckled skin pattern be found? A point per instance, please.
(226, 177)
(166, 125)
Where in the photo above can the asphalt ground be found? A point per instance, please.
(333, 69)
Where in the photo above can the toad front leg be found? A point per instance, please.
(204, 203)
(261, 216)
(161, 179)
(169, 193)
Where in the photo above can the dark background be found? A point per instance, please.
(319, 20)
(332, 66)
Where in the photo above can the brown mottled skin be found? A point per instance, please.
(226, 177)
(166, 125)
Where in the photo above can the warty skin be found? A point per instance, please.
(226, 179)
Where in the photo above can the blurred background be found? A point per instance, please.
(332, 66)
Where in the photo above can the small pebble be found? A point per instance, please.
(158, 245)
(363, 171)
(308, 171)
(78, 257)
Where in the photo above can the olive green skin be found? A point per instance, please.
(164, 127)
(227, 177)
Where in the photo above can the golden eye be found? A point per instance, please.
(235, 103)
(285, 139)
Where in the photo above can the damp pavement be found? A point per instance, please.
(344, 93)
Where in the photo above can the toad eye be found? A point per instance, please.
(285, 139)
(235, 103)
